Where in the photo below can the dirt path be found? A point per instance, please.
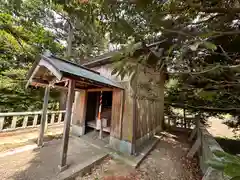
(18, 138)
(166, 162)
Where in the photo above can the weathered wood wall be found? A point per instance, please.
(149, 90)
(79, 108)
(148, 87)
(116, 119)
(106, 70)
(126, 119)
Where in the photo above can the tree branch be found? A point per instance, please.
(177, 32)
(220, 10)
(205, 71)
(207, 109)
(194, 73)
(219, 33)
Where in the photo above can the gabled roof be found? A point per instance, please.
(54, 70)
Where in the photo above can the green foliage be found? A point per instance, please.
(198, 42)
(89, 35)
(210, 45)
(199, 47)
(22, 39)
(30, 27)
(172, 83)
(229, 164)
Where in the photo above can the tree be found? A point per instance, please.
(199, 47)
(22, 39)
(198, 44)
(30, 27)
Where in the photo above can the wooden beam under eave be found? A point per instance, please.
(99, 89)
(87, 81)
(31, 77)
(41, 84)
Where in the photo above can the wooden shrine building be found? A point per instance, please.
(131, 110)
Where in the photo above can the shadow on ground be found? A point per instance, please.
(167, 161)
(231, 146)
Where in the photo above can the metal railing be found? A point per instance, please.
(20, 120)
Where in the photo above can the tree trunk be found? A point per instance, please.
(68, 53)
(62, 99)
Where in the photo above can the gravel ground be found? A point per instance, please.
(166, 162)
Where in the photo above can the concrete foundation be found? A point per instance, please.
(120, 145)
(78, 130)
(142, 140)
(126, 147)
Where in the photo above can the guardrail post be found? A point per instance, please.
(1, 123)
(60, 117)
(198, 142)
(14, 122)
(14, 117)
(52, 118)
(25, 121)
(35, 120)
(44, 116)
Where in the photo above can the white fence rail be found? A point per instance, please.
(179, 122)
(20, 120)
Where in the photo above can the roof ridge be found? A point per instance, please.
(73, 63)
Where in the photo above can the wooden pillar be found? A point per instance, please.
(184, 118)
(99, 117)
(44, 116)
(67, 123)
(134, 126)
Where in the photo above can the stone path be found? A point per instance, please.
(166, 162)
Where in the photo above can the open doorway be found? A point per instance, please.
(93, 102)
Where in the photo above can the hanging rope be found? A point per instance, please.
(100, 107)
(99, 116)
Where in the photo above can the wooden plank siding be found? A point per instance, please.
(148, 117)
(127, 104)
(117, 110)
(106, 71)
(150, 102)
(127, 120)
(80, 106)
